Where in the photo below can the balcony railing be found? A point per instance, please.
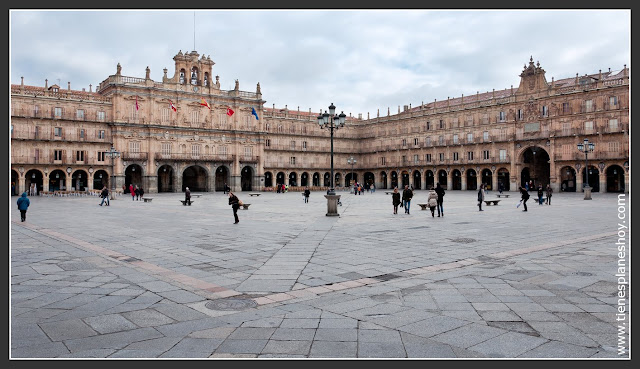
(129, 155)
(248, 159)
(192, 157)
(88, 116)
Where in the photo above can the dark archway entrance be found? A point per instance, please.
(429, 180)
(568, 179)
(383, 180)
(337, 180)
(316, 179)
(268, 179)
(327, 180)
(537, 161)
(14, 183)
(351, 181)
(79, 180)
(369, 179)
(100, 180)
(293, 179)
(442, 178)
(165, 179)
(472, 179)
(56, 180)
(280, 178)
(503, 177)
(304, 179)
(487, 179)
(132, 175)
(394, 179)
(417, 180)
(405, 178)
(246, 179)
(594, 178)
(222, 178)
(33, 177)
(194, 177)
(615, 179)
(456, 180)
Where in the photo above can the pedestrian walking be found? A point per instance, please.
(395, 200)
(480, 196)
(132, 192)
(407, 195)
(235, 205)
(225, 189)
(525, 197)
(105, 195)
(432, 201)
(23, 205)
(137, 193)
(187, 196)
(141, 192)
(440, 192)
(306, 194)
(540, 194)
(373, 187)
(549, 193)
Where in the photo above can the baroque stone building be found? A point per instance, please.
(186, 132)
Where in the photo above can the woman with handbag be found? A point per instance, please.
(395, 199)
(432, 201)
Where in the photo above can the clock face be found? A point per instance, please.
(195, 88)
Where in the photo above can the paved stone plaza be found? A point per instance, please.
(163, 280)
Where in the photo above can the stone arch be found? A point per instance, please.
(442, 178)
(165, 178)
(196, 178)
(316, 179)
(567, 179)
(268, 179)
(35, 177)
(222, 177)
(304, 179)
(472, 179)
(133, 175)
(246, 178)
(615, 178)
(79, 180)
(383, 180)
(537, 160)
(456, 180)
(417, 180)
(57, 180)
(429, 179)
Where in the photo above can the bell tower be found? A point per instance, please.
(192, 70)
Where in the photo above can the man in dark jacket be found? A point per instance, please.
(407, 194)
(440, 193)
(23, 205)
(525, 197)
(187, 196)
(306, 194)
(235, 205)
(480, 196)
(105, 195)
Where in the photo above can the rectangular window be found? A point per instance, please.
(441, 124)
(455, 139)
(166, 148)
(404, 142)
(57, 154)
(267, 142)
(416, 158)
(164, 115)
(81, 133)
(441, 140)
(485, 154)
(469, 137)
(101, 134)
(614, 146)
(304, 144)
(427, 141)
(292, 160)
(455, 156)
(502, 116)
(613, 101)
(485, 136)
(383, 160)
(222, 151)
(566, 129)
(79, 155)
(101, 155)
(293, 145)
(415, 141)
(134, 146)
(588, 126)
(101, 116)
(428, 126)
(441, 156)
(427, 158)
(545, 111)
(503, 134)
(57, 112)
(588, 106)
(57, 131)
(613, 124)
(80, 114)
(133, 113)
(248, 151)
(565, 107)
(503, 154)
(470, 155)
(404, 159)
(520, 114)
(195, 116)
(195, 150)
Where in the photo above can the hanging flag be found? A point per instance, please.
(172, 106)
(204, 103)
(229, 111)
(253, 112)
(137, 102)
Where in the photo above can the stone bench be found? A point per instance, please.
(424, 206)
(196, 195)
(503, 195)
(184, 202)
(492, 202)
(245, 206)
(254, 194)
(147, 199)
(388, 192)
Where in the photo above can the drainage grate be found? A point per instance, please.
(463, 240)
(582, 274)
(387, 277)
(231, 304)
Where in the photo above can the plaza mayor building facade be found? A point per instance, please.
(184, 131)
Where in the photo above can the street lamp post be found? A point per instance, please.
(332, 121)
(112, 153)
(352, 161)
(586, 147)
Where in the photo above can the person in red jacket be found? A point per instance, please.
(132, 192)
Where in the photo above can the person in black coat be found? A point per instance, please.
(440, 193)
(395, 199)
(525, 197)
(407, 195)
(235, 205)
(540, 194)
(187, 196)
(105, 195)
(480, 196)
(137, 192)
(306, 194)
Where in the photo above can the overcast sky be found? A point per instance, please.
(360, 60)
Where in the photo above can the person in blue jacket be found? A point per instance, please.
(23, 205)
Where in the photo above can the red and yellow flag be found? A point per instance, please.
(204, 103)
